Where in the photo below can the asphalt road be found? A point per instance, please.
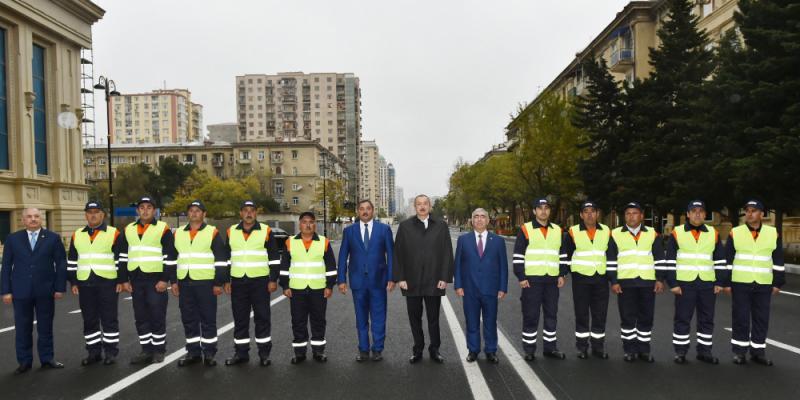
(395, 378)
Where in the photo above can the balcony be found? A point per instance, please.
(621, 59)
(243, 160)
(217, 162)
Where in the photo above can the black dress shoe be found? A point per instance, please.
(471, 356)
(415, 358)
(708, 358)
(362, 356)
(109, 360)
(209, 362)
(680, 359)
(583, 355)
(23, 368)
(142, 358)
(377, 356)
(492, 358)
(555, 354)
(237, 359)
(600, 354)
(265, 362)
(158, 357)
(189, 360)
(646, 357)
(530, 356)
(761, 360)
(437, 357)
(92, 359)
(320, 357)
(52, 364)
(298, 359)
(629, 357)
(739, 359)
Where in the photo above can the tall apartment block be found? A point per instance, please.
(294, 106)
(161, 116)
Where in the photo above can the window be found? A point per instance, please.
(294, 171)
(39, 110)
(295, 186)
(295, 200)
(244, 155)
(3, 118)
(5, 218)
(261, 155)
(708, 8)
(294, 154)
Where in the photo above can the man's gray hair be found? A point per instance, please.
(480, 211)
(425, 196)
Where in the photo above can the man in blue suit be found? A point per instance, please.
(481, 278)
(34, 274)
(366, 257)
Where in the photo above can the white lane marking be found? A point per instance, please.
(128, 298)
(142, 373)
(11, 328)
(790, 293)
(525, 371)
(777, 344)
(78, 311)
(477, 383)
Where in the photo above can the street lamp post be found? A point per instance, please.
(324, 196)
(110, 89)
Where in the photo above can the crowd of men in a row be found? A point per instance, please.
(197, 263)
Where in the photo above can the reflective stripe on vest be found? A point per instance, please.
(248, 256)
(753, 259)
(635, 258)
(96, 256)
(589, 256)
(145, 253)
(195, 258)
(695, 257)
(307, 268)
(542, 253)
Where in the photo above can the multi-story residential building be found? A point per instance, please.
(225, 132)
(160, 116)
(292, 106)
(40, 81)
(390, 196)
(370, 173)
(293, 168)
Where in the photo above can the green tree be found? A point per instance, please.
(667, 148)
(335, 192)
(132, 182)
(600, 113)
(548, 154)
(171, 175)
(221, 198)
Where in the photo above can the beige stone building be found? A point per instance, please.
(370, 164)
(293, 106)
(40, 67)
(293, 167)
(160, 116)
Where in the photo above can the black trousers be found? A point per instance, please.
(751, 304)
(540, 296)
(308, 305)
(432, 304)
(590, 299)
(199, 316)
(702, 299)
(99, 309)
(251, 294)
(150, 312)
(636, 308)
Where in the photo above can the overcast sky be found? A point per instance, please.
(438, 78)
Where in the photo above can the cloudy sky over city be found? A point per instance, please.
(439, 79)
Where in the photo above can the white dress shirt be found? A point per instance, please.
(634, 231)
(424, 221)
(363, 225)
(480, 235)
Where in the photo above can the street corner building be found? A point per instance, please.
(40, 84)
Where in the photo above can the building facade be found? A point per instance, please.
(370, 186)
(225, 132)
(292, 106)
(293, 168)
(390, 191)
(160, 116)
(40, 66)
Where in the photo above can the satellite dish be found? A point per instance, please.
(67, 120)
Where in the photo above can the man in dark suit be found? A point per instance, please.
(423, 265)
(34, 274)
(366, 257)
(481, 278)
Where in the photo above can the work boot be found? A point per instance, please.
(142, 358)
